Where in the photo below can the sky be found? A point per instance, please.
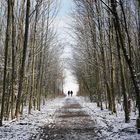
(62, 21)
(66, 6)
(63, 18)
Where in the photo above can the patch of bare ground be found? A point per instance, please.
(72, 106)
(71, 123)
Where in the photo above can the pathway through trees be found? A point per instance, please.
(71, 123)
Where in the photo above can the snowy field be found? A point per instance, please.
(110, 127)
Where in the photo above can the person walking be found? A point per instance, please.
(71, 93)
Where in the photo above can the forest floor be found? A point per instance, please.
(71, 118)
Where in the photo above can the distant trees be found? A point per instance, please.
(106, 53)
(30, 55)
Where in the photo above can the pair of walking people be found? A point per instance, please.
(70, 93)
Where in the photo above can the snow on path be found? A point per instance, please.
(111, 127)
(59, 111)
(29, 124)
(71, 123)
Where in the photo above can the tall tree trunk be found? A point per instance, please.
(7, 39)
(13, 61)
(112, 62)
(40, 68)
(33, 63)
(123, 85)
(21, 72)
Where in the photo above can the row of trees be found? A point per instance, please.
(30, 67)
(107, 52)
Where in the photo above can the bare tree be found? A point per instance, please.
(7, 40)
(21, 73)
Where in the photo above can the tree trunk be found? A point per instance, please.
(13, 61)
(21, 72)
(7, 39)
(33, 64)
(123, 85)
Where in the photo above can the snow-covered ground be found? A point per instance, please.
(108, 127)
(29, 124)
(111, 127)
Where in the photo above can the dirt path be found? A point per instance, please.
(71, 123)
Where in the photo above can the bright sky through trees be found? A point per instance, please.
(62, 21)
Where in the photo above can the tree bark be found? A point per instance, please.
(33, 63)
(7, 39)
(123, 84)
(13, 61)
(22, 68)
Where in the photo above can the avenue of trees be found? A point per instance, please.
(107, 52)
(30, 67)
